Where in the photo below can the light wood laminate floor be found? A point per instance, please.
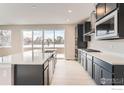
(70, 73)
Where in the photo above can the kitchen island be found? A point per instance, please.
(28, 68)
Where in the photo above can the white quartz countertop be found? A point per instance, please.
(34, 58)
(108, 57)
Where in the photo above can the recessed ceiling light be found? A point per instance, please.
(69, 11)
(34, 6)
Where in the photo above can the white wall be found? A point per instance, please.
(112, 46)
(70, 42)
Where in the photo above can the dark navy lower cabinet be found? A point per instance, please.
(89, 67)
(101, 76)
(79, 56)
(101, 71)
(118, 75)
(83, 60)
(96, 73)
(107, 74)
(106, 77)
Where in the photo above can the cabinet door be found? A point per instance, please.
(85, 63)
(82, 60)
(101, 76)
(89, 66)
(51, 69)
(54, 64)
(110, 7)
(106, 77)
(100, 10)
(79, 56)
(46, 76)
(96, 73)
(80, 35)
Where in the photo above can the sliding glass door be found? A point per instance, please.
(48, 39)
(59, 43)
(37, 39)
(27, 40)
(44, 40)
(59, 38)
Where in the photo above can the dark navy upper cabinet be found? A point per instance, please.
(100, 10)
(103, 9)
(110, 7)
(80, 36)
(87, 27)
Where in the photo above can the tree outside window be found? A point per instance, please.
(5, 38)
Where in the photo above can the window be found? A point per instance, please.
(48, 38)
(5, 38)
(59, 38)
(36, 36)
(37, 39)
(27, 39)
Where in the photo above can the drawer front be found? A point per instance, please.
(103, 64)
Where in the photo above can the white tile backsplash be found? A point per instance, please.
(113, 46)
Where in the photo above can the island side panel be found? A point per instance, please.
(28, 75)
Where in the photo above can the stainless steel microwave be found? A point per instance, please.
(107, 27)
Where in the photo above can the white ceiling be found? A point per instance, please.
(43, 13)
